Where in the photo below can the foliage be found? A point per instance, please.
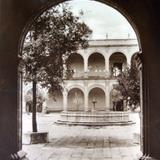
(52, 38)
(116, 94)
(129, 84)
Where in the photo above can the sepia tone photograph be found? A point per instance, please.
(79, 80)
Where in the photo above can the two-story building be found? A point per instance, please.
(95, 70)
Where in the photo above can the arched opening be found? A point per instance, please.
(116, 100)
(77, 65)
(75, 100)
(96, 99)
(117, 63)
(96, 65)
(28, 101)
(54, 103)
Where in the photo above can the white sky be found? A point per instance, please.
(103, 20)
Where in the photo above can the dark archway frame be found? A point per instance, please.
(51, 3)
(15, 16)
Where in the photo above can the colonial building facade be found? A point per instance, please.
(95, 71)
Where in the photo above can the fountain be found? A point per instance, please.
(94, 117)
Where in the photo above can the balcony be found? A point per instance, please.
(91, 75)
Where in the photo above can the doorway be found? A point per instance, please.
(112, 140)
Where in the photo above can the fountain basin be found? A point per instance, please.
(96, 118)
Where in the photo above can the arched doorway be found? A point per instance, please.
(96, 64)
(28, 99)
(99, 92)
(75, 100)
(96, 99)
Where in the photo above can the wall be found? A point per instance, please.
(54, 103)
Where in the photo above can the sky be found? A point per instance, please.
(103, 20)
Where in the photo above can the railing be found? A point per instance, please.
(90, 75)
(97, 74)
(93, 75)
(79, 74)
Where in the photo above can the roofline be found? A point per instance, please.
(114, 39)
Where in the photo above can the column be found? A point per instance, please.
(86, 108)
(107, 66)
(86, 66)
(86, 102)
(107, 94)
(65, 100)
(128, 58)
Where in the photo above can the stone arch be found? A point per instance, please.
(96, 98)
(75, 100)
(75, 86)
(117, 63)
(98, 51)
(46, 5)
(96, 86)
(96, 63)
(113, 4)
(28, 98)
(76, 61)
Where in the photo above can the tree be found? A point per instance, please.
(51, 39)
(129, 84)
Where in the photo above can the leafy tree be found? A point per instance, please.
(51, 39)
(129, 84)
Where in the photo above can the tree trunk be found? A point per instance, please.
(34, 121)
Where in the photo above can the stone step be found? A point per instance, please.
(113, 123)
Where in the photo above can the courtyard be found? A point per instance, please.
(82, 142)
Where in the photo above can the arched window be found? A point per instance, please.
(96, 64)
(117, 63)
(77, 64)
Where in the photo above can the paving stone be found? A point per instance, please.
(84, 143)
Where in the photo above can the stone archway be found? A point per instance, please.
(28, 100)
(117, 63)
(96, 98)
(77, 64)
(20, 13)
(96, 64)
(75, 100)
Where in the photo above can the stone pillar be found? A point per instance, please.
(86, 101)
(107, 66)
(85, 67)
(85, 64)
(128, 58)
(86, 107)
(107, 95)
(65, 100)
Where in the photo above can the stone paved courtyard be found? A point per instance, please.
(83, 143)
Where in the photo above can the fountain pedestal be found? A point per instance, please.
(96, 118)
